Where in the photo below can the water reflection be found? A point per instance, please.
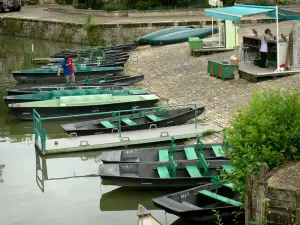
(1, 171)
(65, 166)
(15, 54)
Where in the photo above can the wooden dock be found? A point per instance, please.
(254, 73)
(104, 141)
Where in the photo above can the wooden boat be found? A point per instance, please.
(156, 154)
(198, 203)
(146, 38)
(181, 36)
(98, 64)
(120, 81)
(64, 93)
(164, 174)
(137, 121)
(42, 89)
(50, 75)
(145, 217)
(74, 105)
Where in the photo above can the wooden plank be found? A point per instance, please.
(220, 198)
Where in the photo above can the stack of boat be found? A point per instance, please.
(195, 166)
(96, 63)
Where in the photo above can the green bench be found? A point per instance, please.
(129, 122)
(227, 168)
(218, 150)
(163, 155)
(153, 117)
(220, 198)
(191, 152)
(106, 124)
(168, 171)
(202, 164)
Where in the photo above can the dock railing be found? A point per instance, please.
(40, 134)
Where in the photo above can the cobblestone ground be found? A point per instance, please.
(174, 75)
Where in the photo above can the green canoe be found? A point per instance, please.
(63, 93)
(147, 38)
(182, 36)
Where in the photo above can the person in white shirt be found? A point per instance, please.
(264, 48)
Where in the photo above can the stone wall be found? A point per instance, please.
(94, 34)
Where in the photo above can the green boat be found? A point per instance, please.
(181, 36)
(84, 104)
(147, 38)
(50, 75)
(63, 93)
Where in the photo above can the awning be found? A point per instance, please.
(236, 12)
(285, 14)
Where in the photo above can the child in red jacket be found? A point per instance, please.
(72, 69)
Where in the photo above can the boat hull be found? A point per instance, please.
(148, 155)
(88, 127)
(53, 78)
(190, 204)
(25, 113)
(145, 175)
(34, 90)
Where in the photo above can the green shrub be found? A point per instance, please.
(142, 5)
(267, 130)
(114, 7)
(64, 2)
(32, 2)
(130, 3)
(81, 6)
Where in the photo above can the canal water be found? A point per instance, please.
(59, 189)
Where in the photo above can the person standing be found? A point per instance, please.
(72, 69)
(65, 66)
(264, 48)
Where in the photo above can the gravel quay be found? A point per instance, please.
(174, 75)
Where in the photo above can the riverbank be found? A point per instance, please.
(34, 22)
(175, 75)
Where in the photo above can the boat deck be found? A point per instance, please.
(104, 141)
(253, 73)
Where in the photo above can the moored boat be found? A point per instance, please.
(181, 36)
(156, 154)
(198, 203)
(74, 105)
(148, 37)
(64, 93)
(145, 217)
(164, 174)
(50, 75)
(136, 121)
(34, 90)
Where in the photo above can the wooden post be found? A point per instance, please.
(255, 198)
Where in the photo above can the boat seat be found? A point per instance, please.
(163, 155)
(153, 117)
(220, 197)
(128, 121)
(218, 150)
(163, 172)
(227, 168)
(193, 171)
(190, 205)
(229, 185)
(106, 124)
(190, 153)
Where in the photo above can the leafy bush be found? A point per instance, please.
(268, 130)
(114, 7)
(228, 2)
(64, 2)
(184, 3)
(81, 6)
(32, 2)
(142, 5)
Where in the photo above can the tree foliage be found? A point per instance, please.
(267, 130)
